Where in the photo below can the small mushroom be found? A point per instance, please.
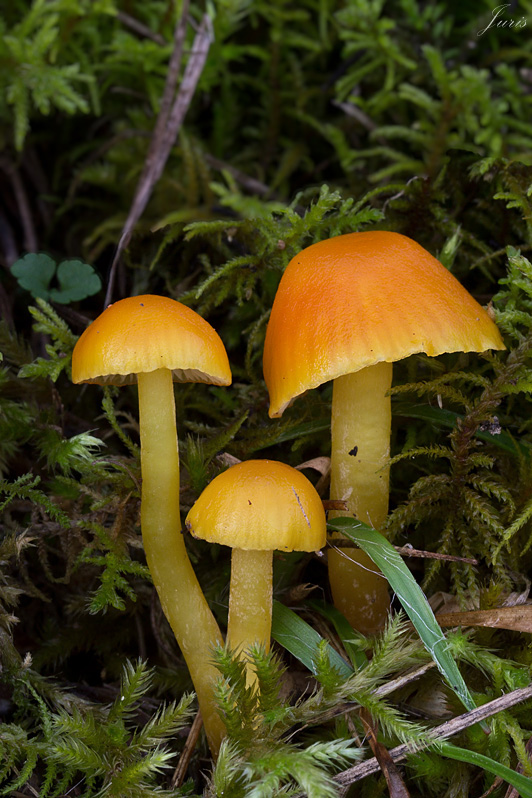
(154, 340)
(345, 310)
(256, 507)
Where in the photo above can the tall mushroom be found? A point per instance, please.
(255, 507)
(345, 310)
(154, 340)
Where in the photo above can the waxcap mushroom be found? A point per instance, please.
(358, 299)
(154, 340)
(260, 505)
(255, 507)
(143, 333)
(345, 310)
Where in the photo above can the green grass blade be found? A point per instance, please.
(301, 640)
(292, 433)
(517, 780)
(344, 630)
(447, 418)
(411, 597)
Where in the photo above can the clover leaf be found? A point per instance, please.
(34, 272)
(73, 279)
(77, 280)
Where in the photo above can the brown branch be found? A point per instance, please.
(138, 27)
(30, 236)
(383, 690)
(7, 242)
(394, 780)
(442, 732)
(167, 127)
(250, 183)
(406, 551)
(182, 766)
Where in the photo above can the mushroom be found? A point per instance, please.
(154, 340)
(255, 507)
(345, 310)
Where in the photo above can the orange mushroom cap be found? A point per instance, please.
(360, 299)
(261, 505)
(144, 333)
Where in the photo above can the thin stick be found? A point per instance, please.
(383, 690)
(7, 240)
(30, 236)
(138, 27)
(167, 127)
(406, 551)
(250, 183)
(137, 206)
(448, 729)
(182, 766)
(401, 681)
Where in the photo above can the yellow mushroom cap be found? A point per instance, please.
(144, 333)
(360, 299)
(261, 505)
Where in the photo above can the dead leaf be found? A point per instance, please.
(334, 504)
(321, 464)
(299, 593)
(518, 598)
(227, 459)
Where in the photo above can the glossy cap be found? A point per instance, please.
(261, 505)
(360, 299)
(144, 333)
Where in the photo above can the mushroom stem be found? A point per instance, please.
(181, 596)
(250, 603)
(360, 432)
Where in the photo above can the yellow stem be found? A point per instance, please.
(181, 596)
(360, 450)
(250, 603)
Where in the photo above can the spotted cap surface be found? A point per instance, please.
(261, 505)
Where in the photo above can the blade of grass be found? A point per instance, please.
(517, 780)
(297, 431)
(344, 630)
(411, 597)
(301, 640)
(447, 418)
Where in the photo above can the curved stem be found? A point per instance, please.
(360, 450)
(181, 596)
(250, 602)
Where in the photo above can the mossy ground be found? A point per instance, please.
(308, 120)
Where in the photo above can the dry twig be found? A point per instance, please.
(167, 127)
(405, 551)
(182, 766)
(442, 732)
(30, 236)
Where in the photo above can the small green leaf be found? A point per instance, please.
(34, 272)
(77, 280)
(301, 640)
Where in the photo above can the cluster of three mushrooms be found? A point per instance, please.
(345, 310)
